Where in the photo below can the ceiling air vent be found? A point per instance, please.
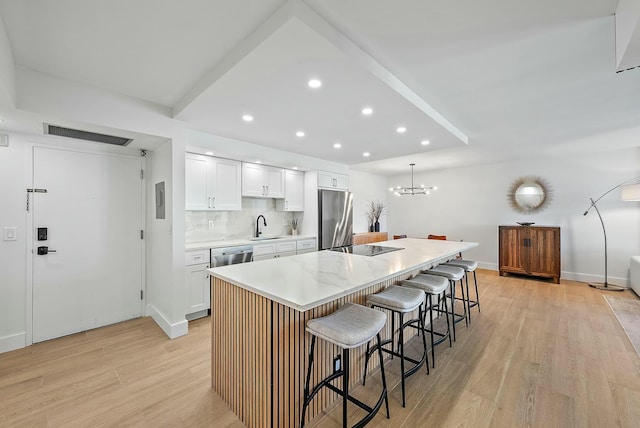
(85, 135)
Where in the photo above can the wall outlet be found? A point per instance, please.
(210, 224)
(337, 363)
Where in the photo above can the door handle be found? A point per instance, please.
(43, 251)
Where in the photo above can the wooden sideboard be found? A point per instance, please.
(369, 237)
(529, 250)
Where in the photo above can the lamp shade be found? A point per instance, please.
(630, 192)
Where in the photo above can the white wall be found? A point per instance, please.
(471, 202)
(13, 253)
(160, 300)
(367, 187)
(7, 69)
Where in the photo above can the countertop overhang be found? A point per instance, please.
(305, 281)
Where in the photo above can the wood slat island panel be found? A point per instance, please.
(250, 366)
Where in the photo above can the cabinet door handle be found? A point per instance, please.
(213, 202)
(209, 202)
(286, 205)
(267, 190)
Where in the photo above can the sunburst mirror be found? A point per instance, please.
(529, 194)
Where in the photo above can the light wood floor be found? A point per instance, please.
(539, 355)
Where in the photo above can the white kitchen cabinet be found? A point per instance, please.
(197, 283)
(293, 192)
(262, 181)
(306, 246)
(333, 180)
(274, 250)
(212, 184)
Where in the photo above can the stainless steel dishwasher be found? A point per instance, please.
(231, 255)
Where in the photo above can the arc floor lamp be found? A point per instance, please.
(629, 192)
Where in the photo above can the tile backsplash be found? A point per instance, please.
(239, 224)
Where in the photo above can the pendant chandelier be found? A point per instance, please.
(413, 190)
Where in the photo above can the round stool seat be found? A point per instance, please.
(468, 265)
(431, 284)
(399, 299)
(350, 326)
(452, 273)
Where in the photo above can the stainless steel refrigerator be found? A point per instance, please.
(335, 219)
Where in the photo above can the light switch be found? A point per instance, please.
(9, 233)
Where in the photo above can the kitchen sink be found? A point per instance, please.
(265, 238)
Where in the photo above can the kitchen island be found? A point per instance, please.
(259, 311)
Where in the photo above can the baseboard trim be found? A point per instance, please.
(585, 277)
(12, 342)
(172, 330)
(572, 276)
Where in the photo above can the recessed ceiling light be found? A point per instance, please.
(401, 130)
(424, 142)
(300, 134)
(337, 145)
(367, 111)
(295, 167)
(315, 83)
(247, 118)
(209, 153)
(366, 154)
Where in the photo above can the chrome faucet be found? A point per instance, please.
(264, 221)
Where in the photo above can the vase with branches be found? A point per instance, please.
(375, 210)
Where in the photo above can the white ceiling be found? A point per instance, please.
(513, 77)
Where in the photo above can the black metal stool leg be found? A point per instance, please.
(452, 284)
(466, 280)
(424, 339)
(384, 378)
(345, 386)
(433, 352)
(308, 379)
(475, 280)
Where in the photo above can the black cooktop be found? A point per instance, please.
(366, 250)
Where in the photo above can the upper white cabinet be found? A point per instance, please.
(332, 180)
(212, 184)
(261, 181)
(293, 191)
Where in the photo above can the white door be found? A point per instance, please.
(93, 212)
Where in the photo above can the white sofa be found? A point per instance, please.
(634, 274)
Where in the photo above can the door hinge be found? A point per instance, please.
(142, 234)
(142, 174)
(141, 294)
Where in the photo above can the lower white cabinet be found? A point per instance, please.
(198, 285)
(306, 246)
(274, 250)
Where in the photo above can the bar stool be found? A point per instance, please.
(468, 266)
(453, 274)
(432, 285)
(401, 301)
(348, 327)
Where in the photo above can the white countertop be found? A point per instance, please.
(238, 242)
(306, 281)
